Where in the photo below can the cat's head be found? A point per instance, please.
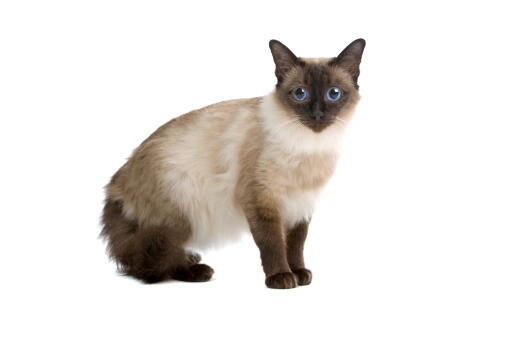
(318, 92)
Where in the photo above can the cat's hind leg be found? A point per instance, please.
(151, 253)
(193, 258)
(193, 273)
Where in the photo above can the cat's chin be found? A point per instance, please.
(317, 127)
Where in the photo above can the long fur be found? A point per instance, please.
(206, 177)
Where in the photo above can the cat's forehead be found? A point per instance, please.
(318, 71)
(316, 61)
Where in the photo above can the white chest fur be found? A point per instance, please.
(217, 218)
(298, 206)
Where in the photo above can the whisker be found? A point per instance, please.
(344, 122)
(283, 125)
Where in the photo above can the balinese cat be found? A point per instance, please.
(254, 165)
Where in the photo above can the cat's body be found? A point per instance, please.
(206, 177)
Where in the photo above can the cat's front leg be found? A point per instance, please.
(267, 230)
(295, 238)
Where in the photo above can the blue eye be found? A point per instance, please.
(300, 93)
(334, 94)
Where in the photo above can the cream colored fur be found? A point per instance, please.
(194, 163)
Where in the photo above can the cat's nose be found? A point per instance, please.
(317, 115)
(317, 112)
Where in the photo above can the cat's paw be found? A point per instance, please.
(194, 273)
(283, 280)
(193, 258)
(304, 276)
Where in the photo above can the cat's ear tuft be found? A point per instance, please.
(283, 58)
(350, 58)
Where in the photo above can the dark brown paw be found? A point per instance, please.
(283, 280)
(153, 278)
(193, 258)
(304, 276)
(194, 273)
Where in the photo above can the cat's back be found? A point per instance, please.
(195, 152)
(214, 118)
(209, 136)
(199, 132)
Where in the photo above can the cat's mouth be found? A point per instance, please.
(318, 125)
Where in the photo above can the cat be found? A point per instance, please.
(256, 165)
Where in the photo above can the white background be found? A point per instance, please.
(412, 240)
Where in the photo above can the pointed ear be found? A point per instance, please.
(350, 58)
(283, 58)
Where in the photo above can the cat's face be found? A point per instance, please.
(318, 92)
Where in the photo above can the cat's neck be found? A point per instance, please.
(283, 129)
